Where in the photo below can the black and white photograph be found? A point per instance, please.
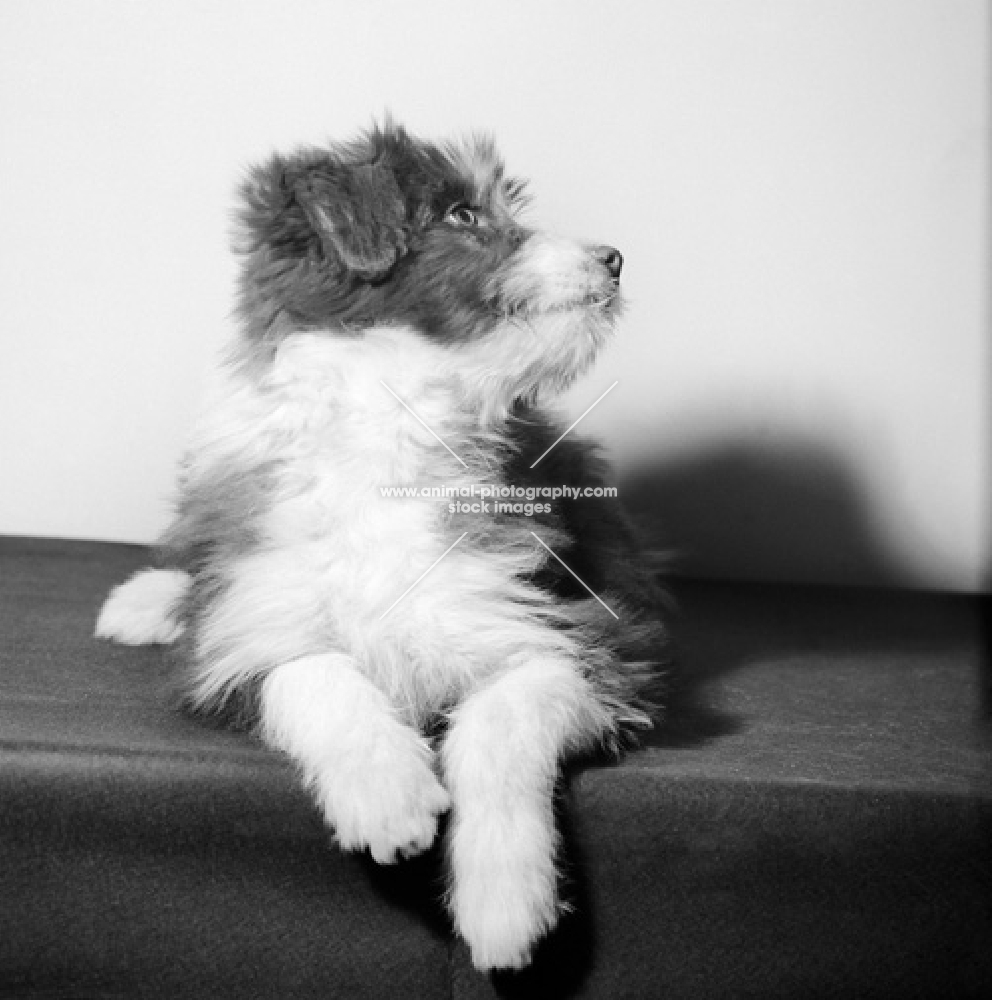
(495, 500)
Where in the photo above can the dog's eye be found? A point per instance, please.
(462, 215)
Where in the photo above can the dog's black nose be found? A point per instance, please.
(611, 258)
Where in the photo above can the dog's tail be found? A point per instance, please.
(145, 609)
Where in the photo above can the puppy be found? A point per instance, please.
(401, 332)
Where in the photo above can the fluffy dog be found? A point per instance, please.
(400, 325)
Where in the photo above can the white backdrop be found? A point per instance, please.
(799, 188)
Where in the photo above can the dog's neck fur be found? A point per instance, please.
(393, 397)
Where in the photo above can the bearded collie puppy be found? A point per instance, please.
(412, 651)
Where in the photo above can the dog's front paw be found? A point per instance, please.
(504, 896)
(390, 805)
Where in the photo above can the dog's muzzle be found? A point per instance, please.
(611, 259)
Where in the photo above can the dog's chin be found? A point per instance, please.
(534, 355)
(593, 316)
(604, 304)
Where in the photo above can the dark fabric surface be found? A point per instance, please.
(812, 821)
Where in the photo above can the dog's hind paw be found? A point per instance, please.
(142, 611)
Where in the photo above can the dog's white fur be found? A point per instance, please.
(348, 676)
(145, 610)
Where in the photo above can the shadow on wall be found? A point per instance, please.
(749, 510)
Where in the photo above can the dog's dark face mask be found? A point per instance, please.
(388, 229)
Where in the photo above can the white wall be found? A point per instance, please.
(799, 188)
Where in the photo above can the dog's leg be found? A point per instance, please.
(501, 760)
(144, 610)
(371, 774)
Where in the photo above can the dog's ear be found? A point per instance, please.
(357, 211)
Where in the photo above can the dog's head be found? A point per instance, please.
(392, 230)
